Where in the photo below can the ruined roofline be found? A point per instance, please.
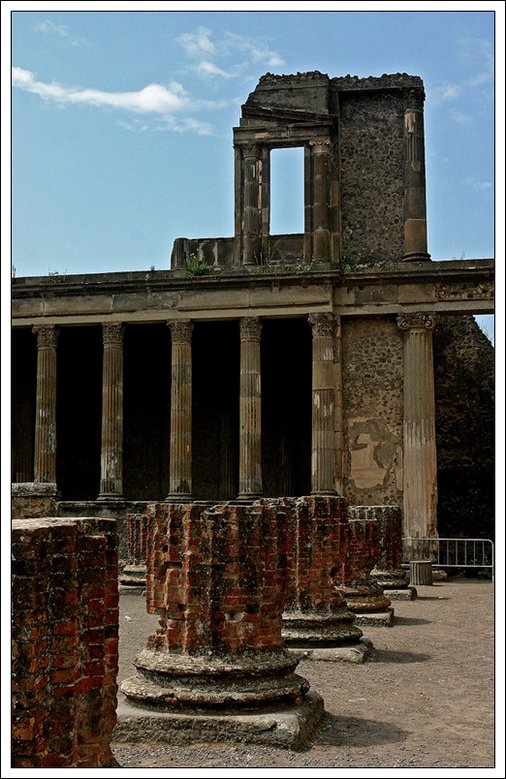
(343, 83)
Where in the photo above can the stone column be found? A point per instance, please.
(320, 149)
(250, 410)
(419, 428)
(323, 436)
(111, 459)
(252, 214)
(45, 406)
(180, 465)
(415, 217)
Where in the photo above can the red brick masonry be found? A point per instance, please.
(64, 641)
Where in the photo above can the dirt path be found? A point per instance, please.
(424, 699)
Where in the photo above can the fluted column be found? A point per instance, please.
(323, 451)
(420, 468)
(252, 214)
(415, 216)
(111, 458)
(45, 406)
(250, 423)
(320, 157)
(180, 465)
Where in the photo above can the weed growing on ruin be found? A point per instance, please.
(194, 266)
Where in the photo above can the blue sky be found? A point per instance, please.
(122, 123)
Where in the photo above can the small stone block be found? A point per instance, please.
(376, 619)
(407, 593)
(438, 575)
(355, 653)
(288, 727)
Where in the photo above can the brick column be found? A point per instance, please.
(45, 406)
(180, 464)
(320, 149)
(316, 614)
(323, 452)
(419, 429)
(415, 217)
(217, 580)
(111, 459)
(250, 422)
(133, 576)
(252, 214)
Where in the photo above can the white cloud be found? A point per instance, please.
(202, 46)
(207, 68)
(477, 186)
(154, 100)
(50, 28)
(443, 94)
(197, 44)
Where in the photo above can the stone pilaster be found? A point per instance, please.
(180, 464)
(415, 217)
(252, 212)
(250, 422)
(323, 450)
(45, 406)
(419, 427)
(111, 459)
(320, 150)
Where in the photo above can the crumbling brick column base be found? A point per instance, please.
(316, 618)
(217, 579)
(133, 576)
(362, 594)
(388, 571)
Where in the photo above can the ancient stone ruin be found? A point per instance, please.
(307, 389)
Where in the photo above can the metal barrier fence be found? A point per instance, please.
(451, 552)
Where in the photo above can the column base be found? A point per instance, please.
(407, 593)
(364, 598)
(247, 497)
(416, 256)
(377, 620)
(133, 578)
(353, 653)
(311, 630)
(289, 727)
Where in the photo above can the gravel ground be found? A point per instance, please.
(425, 698)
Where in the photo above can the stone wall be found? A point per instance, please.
(371, 177)
(372, 355)
(64, 641)
(464, 386)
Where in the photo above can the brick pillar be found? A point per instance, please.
(252, 213)
(111, 459)
(133, 575)
(363, 595)
(316, 612)
(250, 422)
(45, 407)
(388, 572)
(415, 217)
(419, 429)
(320, 150)
(323, 450)
(180, 464)
(217, 579)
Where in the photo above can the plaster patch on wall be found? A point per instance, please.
(373, 450)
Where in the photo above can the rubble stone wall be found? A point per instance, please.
(64, 641)
(372, 369)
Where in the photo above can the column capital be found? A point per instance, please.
(415, 99)
(252, 150)
(418, 320)
(112, 333)
(47, 335)
(322, 323)
(320, 145)
(181, 331)
(250, 328)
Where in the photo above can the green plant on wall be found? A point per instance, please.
(194, 266)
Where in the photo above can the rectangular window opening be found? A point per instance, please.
(287, 191)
